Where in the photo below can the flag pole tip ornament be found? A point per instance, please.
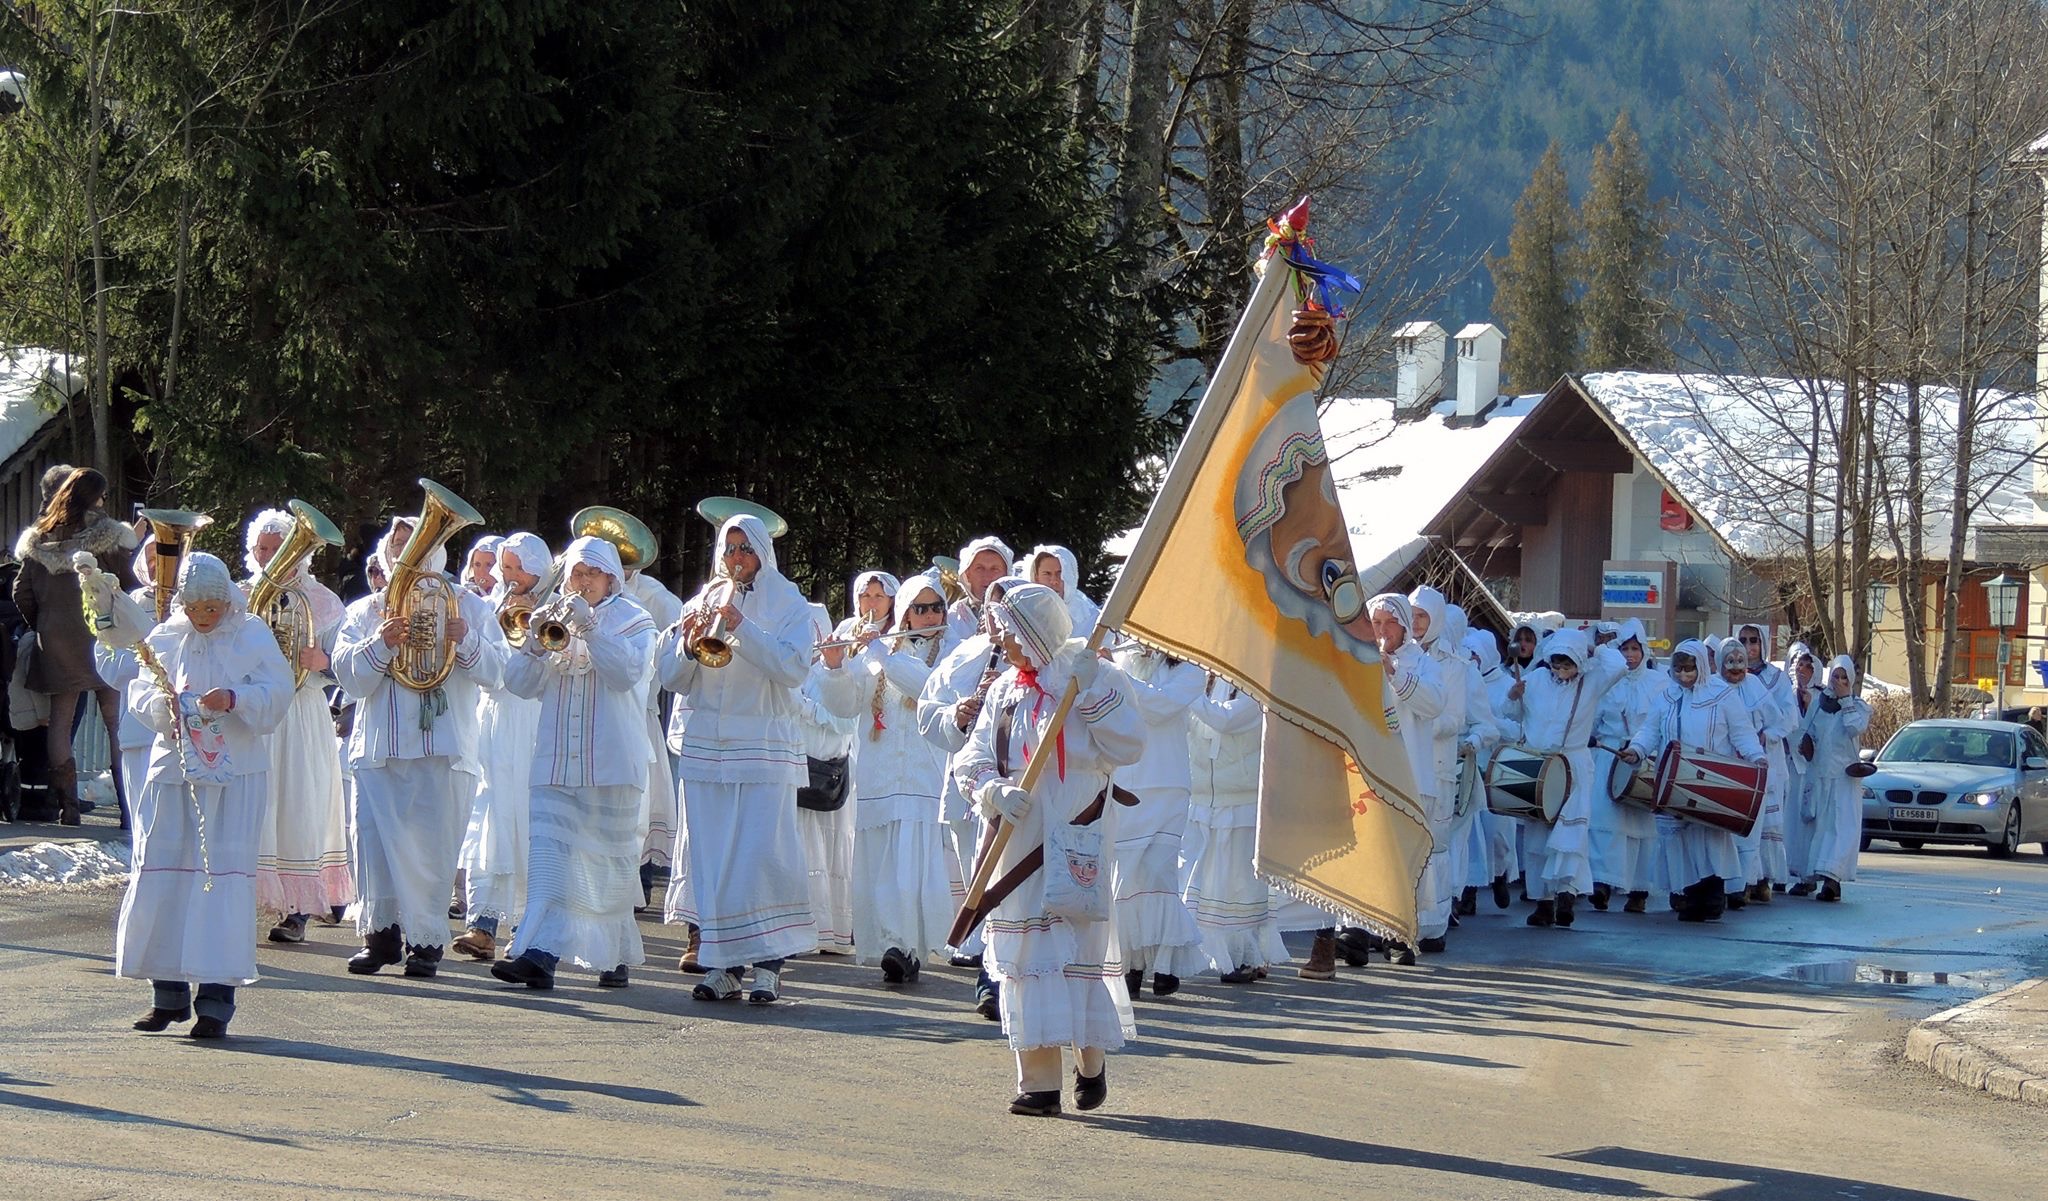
(1318, 287)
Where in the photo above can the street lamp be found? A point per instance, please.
(2003, 593)
(1879, 593)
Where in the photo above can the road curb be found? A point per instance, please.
(1937, 1044)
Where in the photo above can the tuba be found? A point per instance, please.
(426, 654)
(951, 587)
(283, 606)
(173, 530)
(636, 544)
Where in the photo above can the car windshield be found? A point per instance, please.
(1949, 744)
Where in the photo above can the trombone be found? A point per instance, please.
(837, 643)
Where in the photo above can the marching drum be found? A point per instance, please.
(1633, 784)
(1521, 783)
(1469, 786)
(1727, 794)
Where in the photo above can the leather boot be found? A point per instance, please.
(1638, 902)
(381, 948)
(1545, 915)
(1322, 959)
(64, 784)
(688, 962)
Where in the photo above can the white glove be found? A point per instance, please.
(579, 611)
(1087, 666)
(1000, 798)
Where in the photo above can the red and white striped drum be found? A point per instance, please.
(1727, 794)
(1522, 783)
(1633, 784)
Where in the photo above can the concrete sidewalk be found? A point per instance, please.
(1998, 1044)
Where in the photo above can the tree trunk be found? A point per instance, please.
(1141, 166)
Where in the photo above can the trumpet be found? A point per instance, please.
(713, 647)
(550, 626)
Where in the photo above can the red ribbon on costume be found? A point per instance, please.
(1029, 678)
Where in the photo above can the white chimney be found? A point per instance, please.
(1479, 348)
(1418, 365)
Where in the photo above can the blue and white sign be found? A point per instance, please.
(1632, 589)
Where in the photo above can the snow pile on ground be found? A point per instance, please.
(48, 865)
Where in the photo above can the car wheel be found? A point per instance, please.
(2009, 841)
(1911, 844)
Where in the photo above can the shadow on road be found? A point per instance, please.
(520, 1088)
(100, 1113)
(1756, 1183)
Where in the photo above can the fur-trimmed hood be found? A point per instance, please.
(102, 538)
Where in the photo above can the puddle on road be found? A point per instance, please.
(1856, 971)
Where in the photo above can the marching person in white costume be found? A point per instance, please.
(192, 895)
(1478, 732)
(494, 846)
(1061, 973)
(1704, 716)
(1237, 913)
(1624, 836)
(1416, 694)
(1157, 932)
(589, 772)
(902, 903)
(742, 762)
(828, 833)
(1803, 670)
(302, 861)
(1490, 858)
(113, 652)
(1054, 567)
(1769, 695)
(1556, 711)
(1837, 796)
(480, 565)
(412, 758)
(982, 562)
(946, 711)
(1437, 890)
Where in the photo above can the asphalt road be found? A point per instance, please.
(1630, 1057)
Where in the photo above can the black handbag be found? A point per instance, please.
(827, 790)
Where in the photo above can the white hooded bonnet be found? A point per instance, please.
(1038, 617)
(1430, 603)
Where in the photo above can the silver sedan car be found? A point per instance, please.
(1983, 783)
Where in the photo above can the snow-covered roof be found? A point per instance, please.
(1394, 476)
(1737, 451)
(1419, 329)
(24, 371)
(1480, 327)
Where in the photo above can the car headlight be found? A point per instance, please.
(1986, 799)
(1869, 793)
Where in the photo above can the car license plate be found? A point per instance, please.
(1913, 814)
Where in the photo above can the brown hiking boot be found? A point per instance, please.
(688, 962)
(477, 944)
(1322, 959)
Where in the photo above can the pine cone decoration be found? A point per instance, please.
(1313, 337)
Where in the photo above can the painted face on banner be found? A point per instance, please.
(1294, 532)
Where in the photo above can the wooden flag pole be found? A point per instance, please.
(968, 918)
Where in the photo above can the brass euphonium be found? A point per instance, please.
(173, 530)
(278, 599)
(426, 654)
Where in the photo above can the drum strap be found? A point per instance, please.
(1578, 690)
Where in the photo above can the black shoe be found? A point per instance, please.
(1802, 889)
(1501, 899)
(1036, 1105)
(987, 1004)
(1355, 946)
(523, 971)
(896, 966)
(1468, 903)
(1713, 898)
(1545, 915)
(1164, 985)
(1431, 946)
(1567, 908)
(380, 949)
(1454, 915)
(455, 911)
(291, 930)
(1091, 1091)
(1830, 890)
(157, 1019)
(1134, 982)
(1638, 902)
(1601, 894)
(1735, 900)
(1400, 954)
(421, 963)
(615, 978)
(973, 961)
(1240, 975)
(209, 1028)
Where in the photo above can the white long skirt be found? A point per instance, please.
(1491, 854)
(1799, 828)
(1624, 836)
(1688, 852)
(408, 820)
(900, 894)
(828, 856)
(1437, 888)
(583, 876)
(172, 927)
(302, 860)
(663, 816)
(1154, 927)
(1837, 825)
(1233, 908)
(1560, 856)
(494, 846)
(1062, 983)
(747, 888)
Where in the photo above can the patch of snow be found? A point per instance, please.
(53, 865)
(24, 373)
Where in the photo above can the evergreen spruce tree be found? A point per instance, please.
(1533, 284)
(1623, 255)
